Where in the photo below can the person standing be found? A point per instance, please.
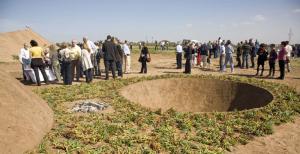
(144, 57)
(246, 51)
(66, 64)
(282, 59)
(99, 55)
(127, 57)
(179, 56)
(37, 62)
(289, 50)
(86, 61)
(204, 51)
(272, 60)
(24, 58)
(229, 56)
(239, 54)
(222, 56)
(93, 48)
(188, 56)
(262, 57)
(55, 65)
(252, 53)
(119, 57)
(109, 50)
(75, 54)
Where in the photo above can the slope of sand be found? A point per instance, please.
(25, 118)
(12, 42)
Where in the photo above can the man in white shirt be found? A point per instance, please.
(127, 57)
(289, 50)
(222, 56)
(75, 54)
(24, 58)
(179, 56)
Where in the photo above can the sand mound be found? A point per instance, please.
(196, 95)
(12, 42)
(25, 118)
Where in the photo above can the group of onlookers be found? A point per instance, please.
(70, 61)
(201, 54)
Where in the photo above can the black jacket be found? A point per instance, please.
(119, 53)
(109, 49)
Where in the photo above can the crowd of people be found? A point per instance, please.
(201, 54)
(69, 62)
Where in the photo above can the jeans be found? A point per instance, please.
(97, 68)
(229, 58)
(110, 65)
(253, 61)
(262, 64)
(179, 60)
(67, 73)
(88, 75)
(238, 59)
(245, 61)
(119, 68)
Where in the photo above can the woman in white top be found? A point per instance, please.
(87, 64)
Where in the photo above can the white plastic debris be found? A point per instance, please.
(89, 106)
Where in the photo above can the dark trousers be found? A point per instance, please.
(188, 68)
(119, 68)
(93, 59)
(67, 73)
(252, 61)
(262, 64)
(97, 69)
(75, 65)
(110, 65)
(272, 68)
(238, 59)
(282, 68)
(179, 60)
(88, 75)
(144, 66)
(36, 64)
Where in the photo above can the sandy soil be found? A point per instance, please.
(189, 95)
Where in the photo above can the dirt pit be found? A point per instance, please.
(196, 95)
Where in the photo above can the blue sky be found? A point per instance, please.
(63, 20)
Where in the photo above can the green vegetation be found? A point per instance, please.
(135, 129)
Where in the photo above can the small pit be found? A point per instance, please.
(197, 95)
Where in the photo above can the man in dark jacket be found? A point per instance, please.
(188, 55)
(119, 57)
(246, 52)
(109, 50)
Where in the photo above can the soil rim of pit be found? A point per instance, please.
(202, 77)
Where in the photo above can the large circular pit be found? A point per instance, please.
(197, 95)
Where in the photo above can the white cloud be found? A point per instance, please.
(296, 11)
(259, 17)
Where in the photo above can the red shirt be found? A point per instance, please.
(282, 54)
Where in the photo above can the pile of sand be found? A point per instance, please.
(25, 118)
(12, 42)
(196, 95)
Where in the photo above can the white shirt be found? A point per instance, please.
(289, 50)
(126, 49)
(92, 46)
(222, 49)
(179, 48)
(24, 54)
